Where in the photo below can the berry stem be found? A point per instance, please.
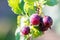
(39, 8)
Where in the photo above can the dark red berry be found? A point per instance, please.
(42, 28)
(25, 30)
(47, 21)
(35, 19)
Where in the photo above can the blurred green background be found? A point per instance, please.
(8, 20)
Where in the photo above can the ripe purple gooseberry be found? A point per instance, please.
(35, 19)
(25, 30)
(47, 21)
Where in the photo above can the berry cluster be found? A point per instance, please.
(38, 22)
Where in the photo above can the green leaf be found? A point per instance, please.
(17, 10)
(18, 36)
(21, 6)
(13, 3)
(35, 32)
(26, 37)
(30, 1)
(29, 8)
(17, 6)
(19, 20)
(51, 2)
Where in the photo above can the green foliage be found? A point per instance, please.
(16, 6)
(30, 1)
(17, 11)
(13, 3)
(22, 6)
(35, 32)
(51, 2)
(18, 20)
(26, 37)
(18, 36)
(29, 8)
(21, 37)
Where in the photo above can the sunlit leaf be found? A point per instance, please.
(29, 8)
(35, 32)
